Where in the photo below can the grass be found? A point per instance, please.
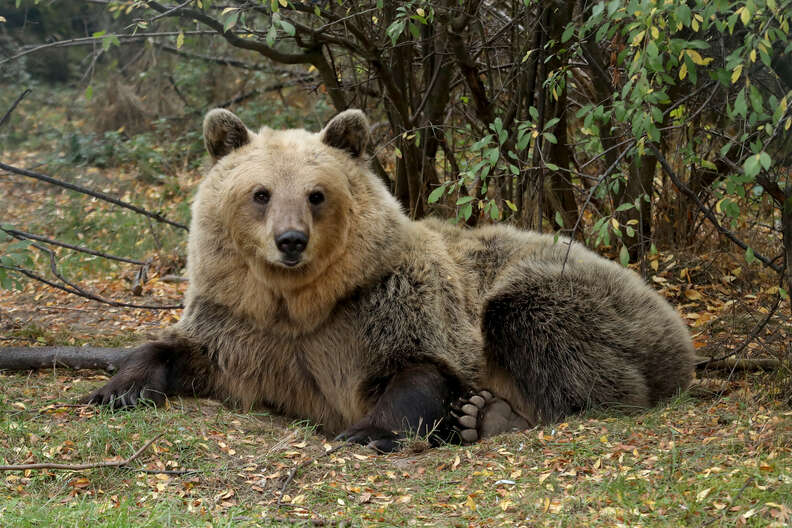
(693, 462)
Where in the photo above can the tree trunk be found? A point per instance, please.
(639, 183)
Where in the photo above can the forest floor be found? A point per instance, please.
(721, 457)
(718, 456)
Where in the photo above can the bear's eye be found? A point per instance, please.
(316, 197)
(261, 196)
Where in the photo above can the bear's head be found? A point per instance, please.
(291, 206)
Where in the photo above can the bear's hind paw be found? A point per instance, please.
(482, 414)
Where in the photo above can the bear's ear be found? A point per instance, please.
(347, 131)
(223, 133)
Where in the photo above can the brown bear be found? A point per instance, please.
(312, 293)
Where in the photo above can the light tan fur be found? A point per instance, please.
(375, 294)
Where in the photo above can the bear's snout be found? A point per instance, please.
(291, 244)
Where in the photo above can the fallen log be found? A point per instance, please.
(740, 364)
(26, 358)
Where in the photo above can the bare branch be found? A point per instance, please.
(79, 467)
(14, 105)
(77, 290)
(33, 275)
(749, 339)
(96, 194)
(225, 61)
(20, 235)
(90, 41)
(231, 36)
(707, 211)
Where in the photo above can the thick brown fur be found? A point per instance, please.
(384, 321)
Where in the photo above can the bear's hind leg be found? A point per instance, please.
(547, 342)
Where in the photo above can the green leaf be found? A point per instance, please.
(559, 219)
(436, 194)
(765, 160)
(752, 166)
(465, 199)
(467, 211)
(552, 166)
(783, 293)
(750, 258)
(493, 210)
(568, 32)
(287, 27)
(625, 207)
(740, 104)
(624, 256)
(231, 20)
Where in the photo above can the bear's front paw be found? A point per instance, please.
(377, 438)
(126, 391)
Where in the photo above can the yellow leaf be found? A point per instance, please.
(638, 38)
(470, 503)
(615, 223)
(683, 71)
(736, 72)
(694, 24)
(697, 58)
(180, 40)
(654, 31)
(752, 55)
(227, 10)
(283, 3)
(654, 265)
(693, 295)
(788, 123)
(745, 15)
(701, 495)
(2, 19)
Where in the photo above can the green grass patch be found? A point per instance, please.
(724, 462)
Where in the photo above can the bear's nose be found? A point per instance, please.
(292, 243)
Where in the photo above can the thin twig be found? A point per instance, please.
(588, 199)
(123, 38)
(171, 10)
(23, 235)
(757, 329)
(14, 105)
(296, 468)
(706, 210)
(33, 275)
(79, 467)
(96, 194)
(163, 471)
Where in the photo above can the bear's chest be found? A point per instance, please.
(317, 376)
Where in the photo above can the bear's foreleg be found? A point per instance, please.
(153, 371)
(415, 402)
